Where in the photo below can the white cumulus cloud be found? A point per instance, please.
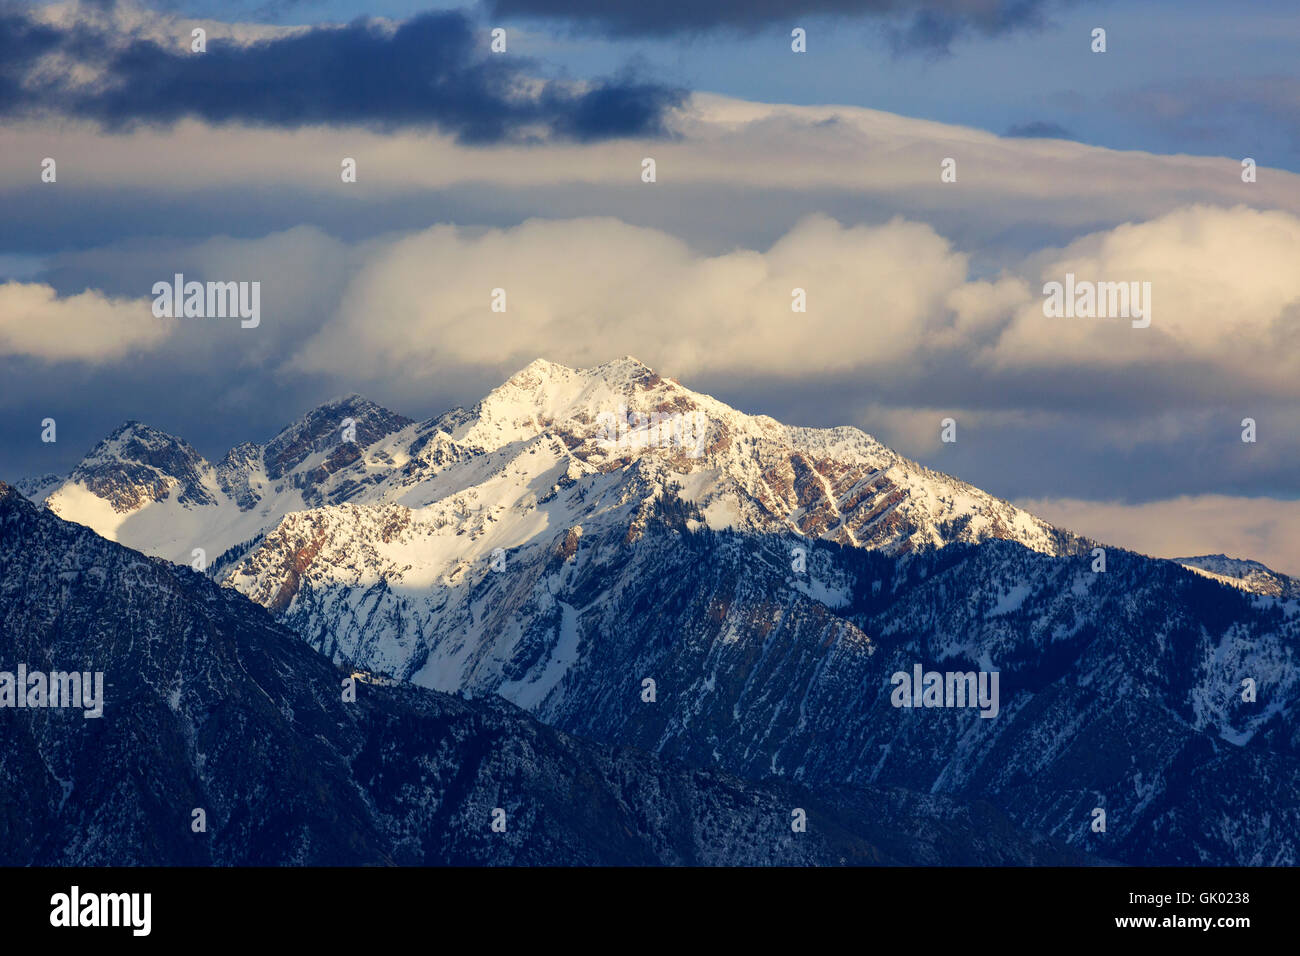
(88, 327)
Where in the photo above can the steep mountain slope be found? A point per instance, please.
(1124, 690)
(1120, 689)
(210, 704)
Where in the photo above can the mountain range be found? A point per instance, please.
(642, 566)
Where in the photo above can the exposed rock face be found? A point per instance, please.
(235, 474)
(137, 465)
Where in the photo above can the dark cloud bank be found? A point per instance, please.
(1039, 129)
(433, 70)
(912, 24)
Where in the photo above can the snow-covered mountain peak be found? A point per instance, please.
(559, 388)
(1243, 573)
(550, 448)
(137, 464)
(569, 401)
(349, 419)
(626, 369)
(134, 441)
(623, 406)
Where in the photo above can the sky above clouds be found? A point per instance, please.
(775, 170)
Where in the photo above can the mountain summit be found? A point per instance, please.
(619, 427)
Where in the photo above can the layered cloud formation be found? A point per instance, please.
(898, 294)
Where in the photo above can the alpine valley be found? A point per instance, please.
(731, 609)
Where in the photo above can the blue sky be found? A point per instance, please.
(775, 169)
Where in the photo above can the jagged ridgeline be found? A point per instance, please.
(568, 539)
